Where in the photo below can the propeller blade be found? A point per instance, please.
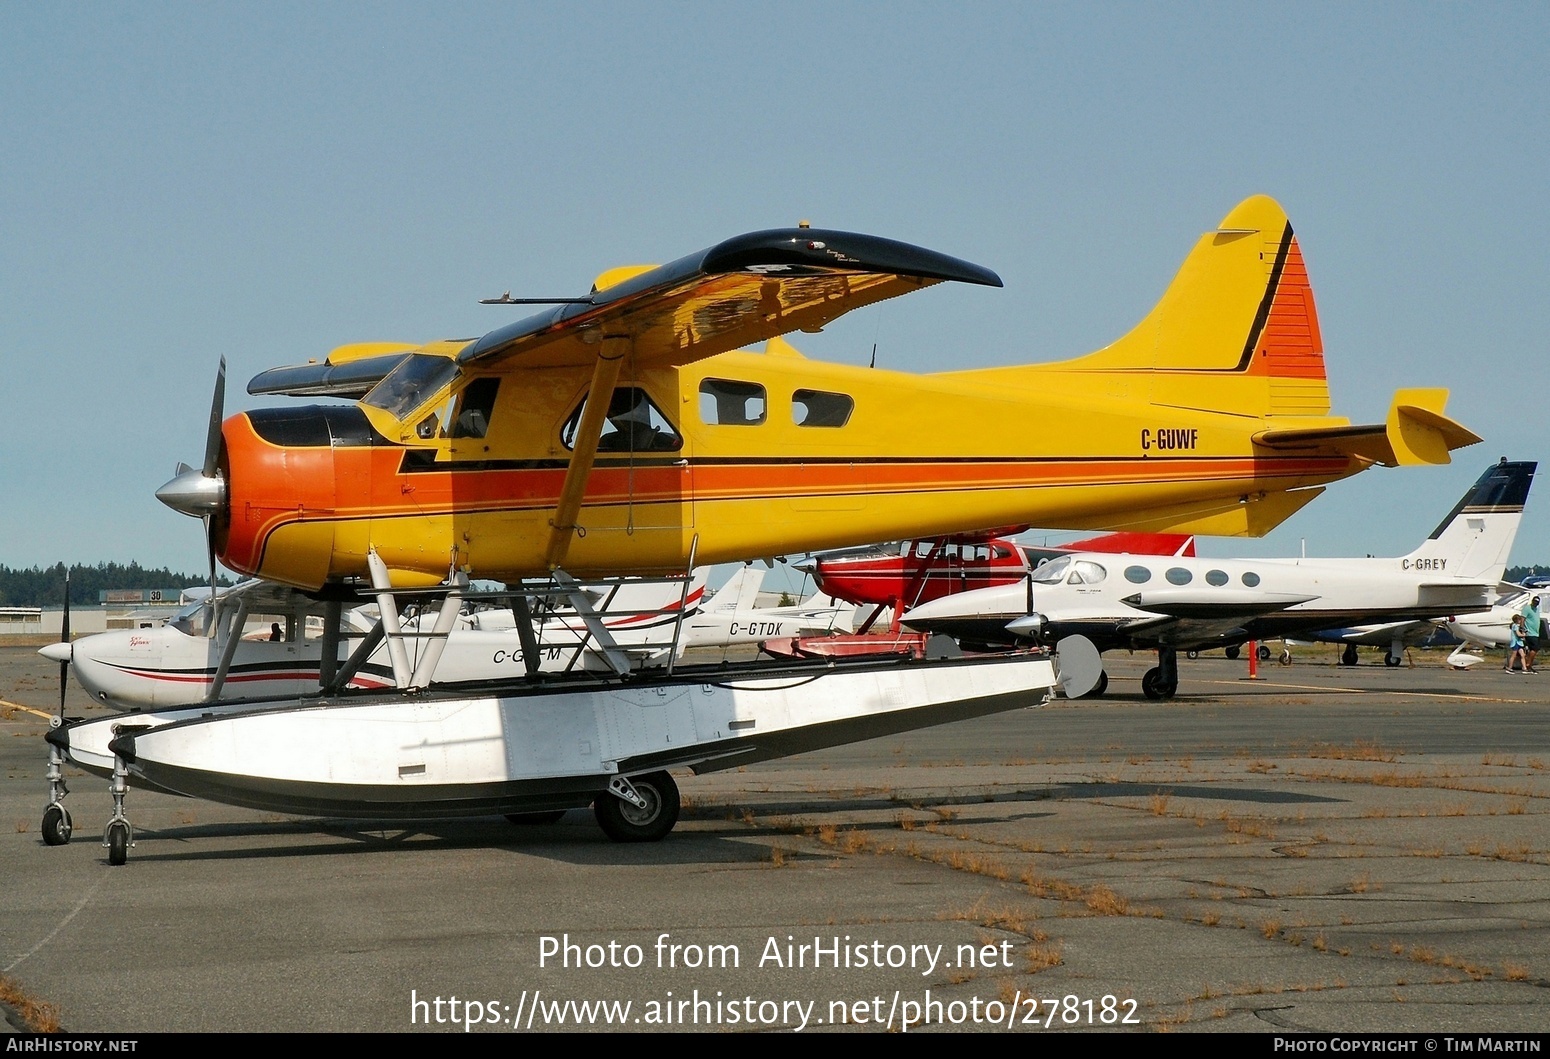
(217, 414)
(64, 638)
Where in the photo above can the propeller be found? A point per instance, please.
(62, 652)
(64, 638)
(202, 492)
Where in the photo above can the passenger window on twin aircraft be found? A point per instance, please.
(816, 408)
(726, 403)
(1216, 577)
(1179, 576)
(474, 407)
(1251, 579)
(634, 424)
(1137, 575)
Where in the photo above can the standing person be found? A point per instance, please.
(1514, 643)
(1534, 630)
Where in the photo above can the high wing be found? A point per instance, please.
(739, 292)
(735, 294)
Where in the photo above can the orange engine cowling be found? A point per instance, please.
(292, 474)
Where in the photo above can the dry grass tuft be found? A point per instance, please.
(37, 1016)
(1042, 957)
(1106, 902)
(1157, 804)
(1361, 750)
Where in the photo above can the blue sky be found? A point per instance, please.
(268, 181)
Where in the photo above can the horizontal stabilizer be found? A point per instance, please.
(1416, 432)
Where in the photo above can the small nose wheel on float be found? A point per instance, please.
(57, 824)
(118, 836)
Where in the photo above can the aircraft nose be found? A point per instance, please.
(192, 492)
(56, 652)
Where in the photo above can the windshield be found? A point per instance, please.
(411, 384)
(1051, 573)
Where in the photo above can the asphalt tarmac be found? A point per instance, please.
(1323, 849)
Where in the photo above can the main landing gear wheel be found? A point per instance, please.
(1191, 655)
(1232, 652)
(1392, 660)
(1348, 656)
(117, 841)
(550, 816)
(1154, 687)
(1264, 653)
(1286, 656)
(624, 822)
(57, 826)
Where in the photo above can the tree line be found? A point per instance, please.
(45, 586)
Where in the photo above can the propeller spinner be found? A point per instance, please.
(202, 492)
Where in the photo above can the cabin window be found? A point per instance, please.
(1177, 575)
(634, 424)
(1216, 577)
(1251, 579)
(1137, 575)
(474, 406)
(818, 408)
(725, 403)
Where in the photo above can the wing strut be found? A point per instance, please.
(605, 373)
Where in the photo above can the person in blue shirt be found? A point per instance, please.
(1515, 645)
(1533, 633)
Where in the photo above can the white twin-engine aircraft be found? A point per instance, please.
(1175, 604)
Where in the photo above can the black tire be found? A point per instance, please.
(1152, 685)
(1286, 656)
(549, 816)
(1392, 661)
(1348, 656)
(118, 843)
(1099, 688)
(623, 822)
(1233, 652)
(56, 826)
(1264, 653)
(1192, 655)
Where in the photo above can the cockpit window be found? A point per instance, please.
(634, 424)
(1052, 573)
(1086, 573)
(474, 407)
(408, 386)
